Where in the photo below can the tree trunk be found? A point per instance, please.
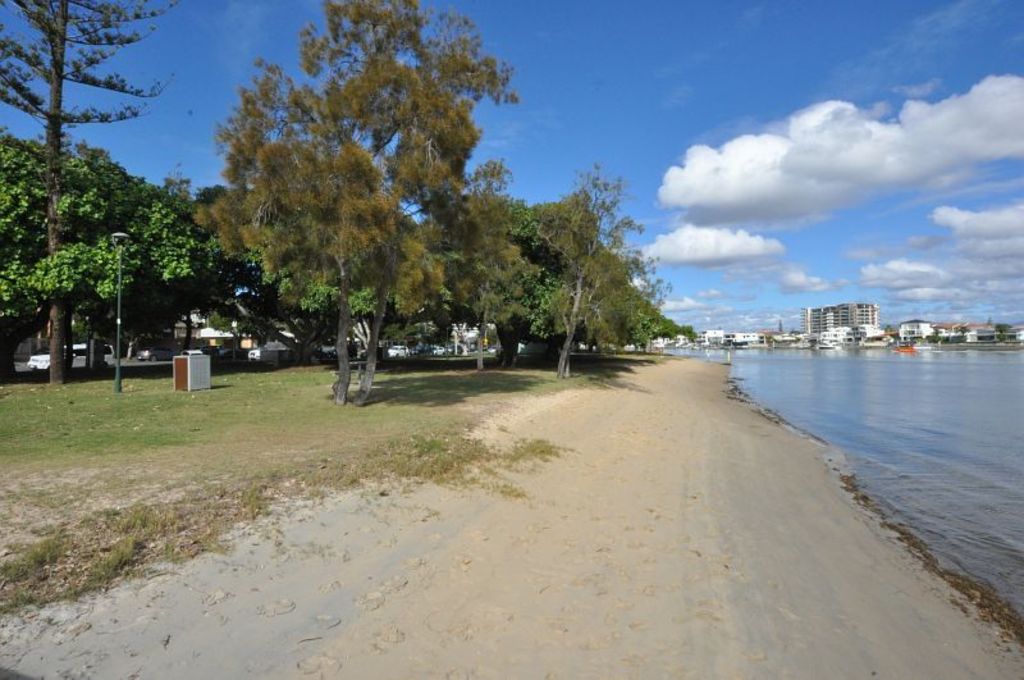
(508, 336)
(54, 185)
(366, 383)
(361, 331)
(570, 328)
(341, 341)
(563, 357)
(480, 342)
(69, 343)
(58, 340)
(8, 346)
(90, 365)
(188, 332)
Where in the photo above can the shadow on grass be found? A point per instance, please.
(448, 388)
(445, 382)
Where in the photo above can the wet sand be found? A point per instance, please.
(681, 534)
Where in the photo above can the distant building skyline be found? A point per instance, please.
(845, 314)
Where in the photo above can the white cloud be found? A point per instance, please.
(986, 234)
(686, 304)
(711, 247)
(998, 223)
(833, 153)
(902, 274)
(918, 90)
(928, 294)
(796, 280)
(711, 294)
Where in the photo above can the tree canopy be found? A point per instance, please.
(170, 263)
(349, 172)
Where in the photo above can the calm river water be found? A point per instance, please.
(936, 437)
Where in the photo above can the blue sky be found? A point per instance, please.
(780, 154)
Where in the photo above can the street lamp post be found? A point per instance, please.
(118, 238)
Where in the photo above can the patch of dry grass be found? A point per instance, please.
(99, 487)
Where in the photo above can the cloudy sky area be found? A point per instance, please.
(780, 154)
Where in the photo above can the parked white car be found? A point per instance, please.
(397, 351)
(41, 362)
(272, 351)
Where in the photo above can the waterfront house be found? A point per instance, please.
(948, 332)
(868, 335)
(915, 330)
(711, 338)
(840, 336)
(741, 339)
(977, 332)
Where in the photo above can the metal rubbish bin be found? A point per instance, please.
(191, 372)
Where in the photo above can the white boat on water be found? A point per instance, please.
(825, 344)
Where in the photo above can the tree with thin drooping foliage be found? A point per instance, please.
(488, 266)
(587, 230)
(62, 42)
(353, 169)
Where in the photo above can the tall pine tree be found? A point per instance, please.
(61, 42)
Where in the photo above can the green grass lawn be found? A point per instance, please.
(79, 461)
(85, 422)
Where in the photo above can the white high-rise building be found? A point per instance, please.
(850, 314)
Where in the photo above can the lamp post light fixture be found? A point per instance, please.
(118, 238)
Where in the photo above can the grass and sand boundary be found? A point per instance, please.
(99, 486)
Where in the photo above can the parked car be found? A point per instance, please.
(189, 352)
(155, 354)
(439, 351)
(270, 352)
(41, 362)
(397, 351)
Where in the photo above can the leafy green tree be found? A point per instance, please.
(528, 316)
(67, 41)
(649, 324)
(1002, 331)
(23, 309)
(588, 233)
(489, 266)
(688, 332)
(170, 264)
(350, 172)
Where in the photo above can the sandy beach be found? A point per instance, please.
(680, 534)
